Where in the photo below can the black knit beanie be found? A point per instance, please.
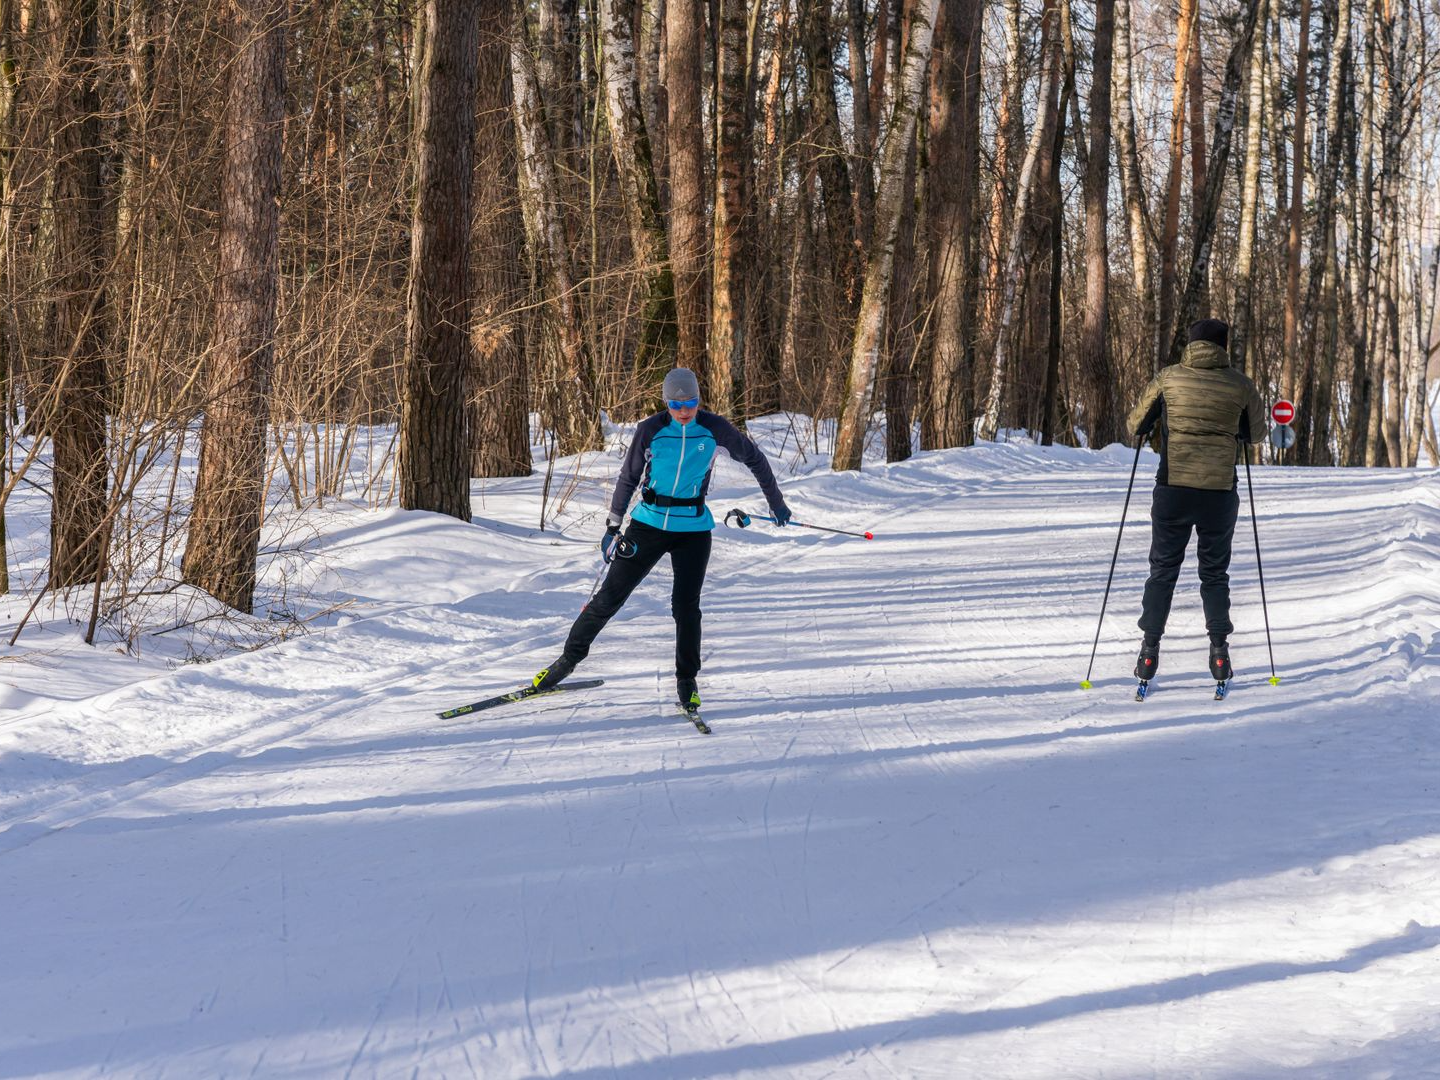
(1215, 331)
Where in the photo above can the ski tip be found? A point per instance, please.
(1086, 685)
(869, 536)
(1274, 680)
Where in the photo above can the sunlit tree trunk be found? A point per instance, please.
(684, 64)
(1009, 282)
(870, 322)
(224, 533)
(630, 144)
(434, 440)
(1243, 321)
(1132, 185)
(1170, 237)
(835, 182)
(499, 401)
(1225, 110)
(725, 374)
(1097, 374)
(1289, 372)
(569, 384)
(947, 417)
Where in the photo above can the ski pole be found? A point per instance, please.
(743, 520)
(1254, 524)
(1085, 684)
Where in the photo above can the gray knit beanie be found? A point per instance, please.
(681, 385)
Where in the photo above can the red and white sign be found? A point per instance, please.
(1282, 412)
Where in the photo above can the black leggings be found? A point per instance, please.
(689, 555)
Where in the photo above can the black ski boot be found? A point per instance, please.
(1146, 665)
(687, 694)
(550, 677)
(688, 698)
(1220, 669)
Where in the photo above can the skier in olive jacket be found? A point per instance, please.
(1203, 406)
(669, 460)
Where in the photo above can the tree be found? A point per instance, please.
(569, 380)
(685, 63)
(1009, 279)
(869, 323)
(500, 409)
(1096, 372)
(76, 321)
(726, 368)
(224, 535)
(630, 144)
(952, 184)
(434, 441)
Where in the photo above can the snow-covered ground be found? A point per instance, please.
(913, 846)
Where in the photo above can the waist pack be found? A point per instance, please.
(652, 497)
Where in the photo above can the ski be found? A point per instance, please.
(1222, 690)
(693, 715)
(1142, 689)
(518, 695)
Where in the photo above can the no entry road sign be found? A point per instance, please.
(1282, 412)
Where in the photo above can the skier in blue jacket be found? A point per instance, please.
(670, 461)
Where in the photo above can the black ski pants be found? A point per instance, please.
(689, 555)
(1174, 512)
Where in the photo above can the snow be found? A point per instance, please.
(913, 847)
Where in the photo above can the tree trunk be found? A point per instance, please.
(1362, 228)
(499, 398)
(684, 64)
(952, 185)
(1320, 297)
(870, 322)
(1215, 186)
(1170, 239)
(1249, 199)
(1009, 130)
(990, 423)
(569, 390)
(1097, 374)
(1132, 183)
(725, 382)
(224, 535)
(629, 142)
(830, 146)
(863, 166)
(1288, 384)
(434, 443)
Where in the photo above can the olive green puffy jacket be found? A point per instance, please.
(1201, 401)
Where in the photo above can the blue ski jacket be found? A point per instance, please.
(670, 463)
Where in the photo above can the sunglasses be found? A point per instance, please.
(688, 403)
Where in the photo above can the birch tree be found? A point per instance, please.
(1010, 279)
(569, 379)
(869, 323)
(630, 144)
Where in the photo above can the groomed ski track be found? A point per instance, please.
(913, 847)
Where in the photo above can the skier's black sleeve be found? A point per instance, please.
(743, 449)
(637, 460)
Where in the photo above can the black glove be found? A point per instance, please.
(782, 516)
(611, 538)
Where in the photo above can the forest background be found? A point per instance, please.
(272, 233)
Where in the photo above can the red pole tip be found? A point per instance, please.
(869, 536)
